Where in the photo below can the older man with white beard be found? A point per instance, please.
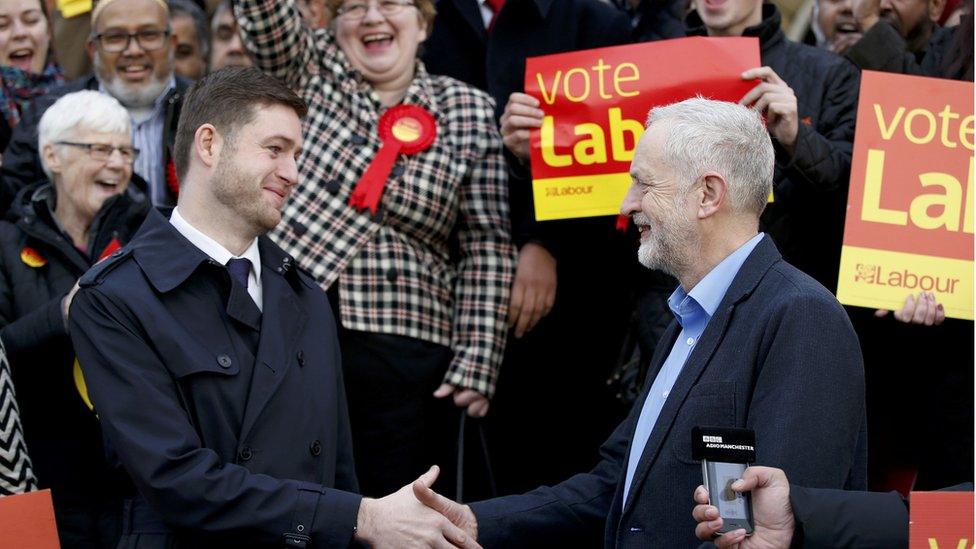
(132, 47)
(755, 344)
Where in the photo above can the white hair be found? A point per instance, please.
(727, 138)
(81, 111)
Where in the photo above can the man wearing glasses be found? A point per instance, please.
(132, 47)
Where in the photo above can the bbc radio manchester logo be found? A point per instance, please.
(903, 278)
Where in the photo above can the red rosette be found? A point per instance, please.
(406, 129)
(410, 125)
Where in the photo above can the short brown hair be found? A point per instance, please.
(227, 99)
(426, 8)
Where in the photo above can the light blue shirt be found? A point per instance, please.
(693, 310)
(147, 136)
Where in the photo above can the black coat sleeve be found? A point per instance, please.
(821, 159)
(186, 483)
(572, 513)
(839, 518)
(21, 162)
(881, 48)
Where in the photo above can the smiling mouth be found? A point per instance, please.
(107, 184)
(135, 71)
(846, 27)
(22, 58)
(377, 41)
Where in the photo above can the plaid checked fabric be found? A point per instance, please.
(395, 270)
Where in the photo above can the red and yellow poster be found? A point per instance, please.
(941, 520)
(910, 208)
(595, 104)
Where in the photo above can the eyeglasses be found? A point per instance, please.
(117, 41)
(102, 151)
(356, 11)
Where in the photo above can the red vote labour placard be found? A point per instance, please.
(596, 102)
(910, 208)
(941, 520)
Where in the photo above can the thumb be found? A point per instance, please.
(427, 479)
(444, 390)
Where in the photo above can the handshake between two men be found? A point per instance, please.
(416, 517)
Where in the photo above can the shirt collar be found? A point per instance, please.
(710, 291)
(211, 247)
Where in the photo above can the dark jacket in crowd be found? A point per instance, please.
(22, 162)
(38, 266)
(945, 56)
(656, 19)
(806, 220)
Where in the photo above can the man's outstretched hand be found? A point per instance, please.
(400, 521)
(459, 515)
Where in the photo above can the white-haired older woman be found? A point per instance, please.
(65, 225)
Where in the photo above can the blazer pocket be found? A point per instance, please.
(709, 404)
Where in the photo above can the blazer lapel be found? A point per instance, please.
(281, 325)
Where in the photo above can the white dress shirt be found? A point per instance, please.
(221, 255)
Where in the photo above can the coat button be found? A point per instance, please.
(224, 361)
(245, 454)
(315, 448)
(333, 186)
(392, 274)
(301, 357)
(397, 171)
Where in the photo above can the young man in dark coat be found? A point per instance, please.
(213, 361)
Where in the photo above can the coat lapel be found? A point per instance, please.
(471, 12)
(282, 323)
(748, 277)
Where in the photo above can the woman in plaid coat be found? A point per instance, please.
(421, 284)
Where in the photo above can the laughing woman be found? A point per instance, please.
(402, 215)
(26, 66)
(63, 227)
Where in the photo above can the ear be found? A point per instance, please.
(935, 9)
(51, 158)
(90, 47)
(207, 144)
(422, 23)
(713, 195)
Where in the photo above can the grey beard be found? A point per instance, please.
(133, 98)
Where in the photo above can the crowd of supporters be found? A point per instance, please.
(453, 302)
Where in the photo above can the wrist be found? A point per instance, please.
(365, 521)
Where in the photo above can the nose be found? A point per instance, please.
(288, 171)
(20, 29)
(236, 44)
(116, 160)
(885, 5)
(132, 48)
(632, 203)
(372, 14)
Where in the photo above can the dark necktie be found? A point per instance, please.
(239, 269)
